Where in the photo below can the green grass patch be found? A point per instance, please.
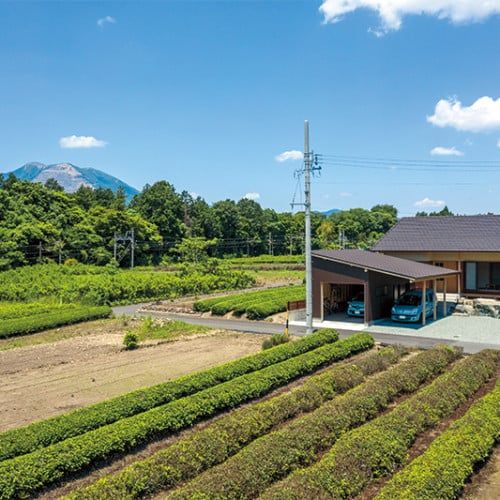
(166, 330)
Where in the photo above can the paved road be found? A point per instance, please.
(264, 327)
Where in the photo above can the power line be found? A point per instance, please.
(401, 161)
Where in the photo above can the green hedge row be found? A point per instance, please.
(377, 448)
(26, 474)
(273, 456)
(191, 455)
(43, 433)
(10, 310)
(257, 305)
(441, 472)
(56, 317)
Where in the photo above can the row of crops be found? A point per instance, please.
(103, 286)
(255, 305)
(41, 453)
(331, 435)
(25, 318)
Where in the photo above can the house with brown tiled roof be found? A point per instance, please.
(468, 244)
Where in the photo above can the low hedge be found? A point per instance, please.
(256, 305)
(193, 454)
(377, 448)
(441, 472)
(10, 310)
(56, 317)
(46, 432)
(273, 456)
(26, 474)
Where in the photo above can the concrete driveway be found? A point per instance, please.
(457, 328)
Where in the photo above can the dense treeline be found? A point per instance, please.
(42, 222)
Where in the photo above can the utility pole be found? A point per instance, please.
(39, 250)
(132, 249)
(307, 207)
(115, 247)
(311, 165)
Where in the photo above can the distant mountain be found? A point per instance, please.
(71, 177)
(331, 211)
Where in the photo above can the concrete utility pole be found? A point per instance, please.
(132, 249)
(307, 210)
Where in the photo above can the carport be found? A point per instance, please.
(382, 278)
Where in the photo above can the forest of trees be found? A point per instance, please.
(42, 222)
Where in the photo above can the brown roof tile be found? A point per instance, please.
(475, 233)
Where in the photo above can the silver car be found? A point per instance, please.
(408, 308)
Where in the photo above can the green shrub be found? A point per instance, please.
(276, 339)
(377, 448)
(54, 317)
(26, 474)
(43, 433)
(130, 341)
(256, 305)
(273, 456)
(194, 453)
(444, 467)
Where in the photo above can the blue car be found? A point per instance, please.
(408, 308)
(356, 307)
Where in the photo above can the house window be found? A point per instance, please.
(470, 275)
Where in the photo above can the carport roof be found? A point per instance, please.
(385, 264)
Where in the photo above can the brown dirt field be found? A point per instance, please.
(45, 380)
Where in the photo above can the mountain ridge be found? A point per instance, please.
(71, 177)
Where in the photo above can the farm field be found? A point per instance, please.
(18, 318)
(308, 420)
(254, 305)
(95, 285)
(90, 365)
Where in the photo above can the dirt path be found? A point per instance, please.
(49, 379)
(485, 484)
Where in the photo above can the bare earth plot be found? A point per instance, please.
(45, 380)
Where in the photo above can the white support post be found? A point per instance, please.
(434, 301)
(424, 303)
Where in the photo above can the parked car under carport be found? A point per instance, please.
(409, 308)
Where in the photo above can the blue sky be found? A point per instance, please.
(206, 94)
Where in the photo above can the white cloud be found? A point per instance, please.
(252, 196)
(481, 116)
(289, 155)
(193, 194)
(80, 141)
(392, 12)
(428, 203)
(105, 20)
(442, 151)
(345, 194)
(498, 143)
